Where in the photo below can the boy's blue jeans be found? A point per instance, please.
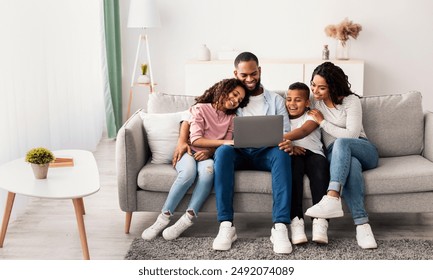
(188, 169)
(348, 157)
(228, 159)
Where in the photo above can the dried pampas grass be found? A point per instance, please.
(343, 30)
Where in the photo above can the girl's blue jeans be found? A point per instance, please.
(188, 169)
(348, 158)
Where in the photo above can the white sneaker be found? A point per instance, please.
(365, 237)
(320, 231)
(175, 230)
(153, 231)
(280, 239)
(298, 231)
(328, 207)
(226, 236)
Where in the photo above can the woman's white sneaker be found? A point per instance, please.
(328, 207)
(365, 237)
(320, 231)
(297, 230)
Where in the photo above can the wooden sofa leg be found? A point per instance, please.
(128, 221)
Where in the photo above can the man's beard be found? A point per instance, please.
(256, 88)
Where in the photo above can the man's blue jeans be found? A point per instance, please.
(348, 157)
(227, 159)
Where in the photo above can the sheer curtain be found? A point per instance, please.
(51, 77)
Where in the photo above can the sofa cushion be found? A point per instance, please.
(168, 103)
(162, 133)
(394, 123)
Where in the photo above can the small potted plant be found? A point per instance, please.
(143, 78)
(40, 159)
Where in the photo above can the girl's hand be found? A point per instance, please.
(229, 142)
(317, 115)
(180, 150)
(203, 155)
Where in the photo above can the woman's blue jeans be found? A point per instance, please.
(187, 171)
(228, 159)
(348, 157)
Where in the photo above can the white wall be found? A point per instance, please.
(396, 41)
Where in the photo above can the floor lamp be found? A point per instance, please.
(142, 14)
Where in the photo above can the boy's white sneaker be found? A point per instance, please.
(328, 207)
(365, 237)
(226, 236)
(280, 239)
(153, 231)
(176, 230)
(320, 231)
(297, 230)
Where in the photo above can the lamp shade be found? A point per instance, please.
(143, 14)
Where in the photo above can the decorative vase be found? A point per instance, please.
(204, 53)
(342, 50)
(40, 170)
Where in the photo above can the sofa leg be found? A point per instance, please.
(128, 221)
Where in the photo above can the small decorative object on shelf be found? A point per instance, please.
(342, 32)
(204, 53)
(40, 159)
(325, 52)
(143, 78)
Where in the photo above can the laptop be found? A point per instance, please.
(258, 131)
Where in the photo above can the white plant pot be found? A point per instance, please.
(143, 79)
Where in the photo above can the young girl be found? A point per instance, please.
(211, 125)
(308, 158)
(338, 112)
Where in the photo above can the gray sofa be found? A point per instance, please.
(403, 181)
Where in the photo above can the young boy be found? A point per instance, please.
(308, 158)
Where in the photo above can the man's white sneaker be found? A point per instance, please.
(280, 239)
(328, 207)
(226, 236)
(320, 231)
(365, 237)
(175, 230)
(153, 231)
(297, 230)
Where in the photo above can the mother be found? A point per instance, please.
(338, 112)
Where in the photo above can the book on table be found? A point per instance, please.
(62, 162)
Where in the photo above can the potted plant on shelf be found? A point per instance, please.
(143, 78)
(40, 159)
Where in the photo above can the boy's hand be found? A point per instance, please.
(286, 146)
(298, 151)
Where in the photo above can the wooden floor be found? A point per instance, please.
(48, 229)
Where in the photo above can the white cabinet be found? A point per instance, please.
(277, 75)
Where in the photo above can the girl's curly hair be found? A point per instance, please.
(219, 92)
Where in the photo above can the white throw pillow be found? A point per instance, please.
(162, 134)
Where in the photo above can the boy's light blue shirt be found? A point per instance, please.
(274, 105)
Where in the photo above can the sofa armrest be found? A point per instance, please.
(428, 136)
(132, 153)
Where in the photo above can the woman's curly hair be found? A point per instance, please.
(337, 80)
(219, 92)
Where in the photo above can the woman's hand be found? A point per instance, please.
(317, 115)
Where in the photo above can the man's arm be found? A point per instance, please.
(182, 143)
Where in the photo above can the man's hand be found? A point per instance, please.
(181, 149)
(286, 146)
(203, 155)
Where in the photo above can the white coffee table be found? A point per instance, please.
(74, 182)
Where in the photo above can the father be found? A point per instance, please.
(277, 160)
